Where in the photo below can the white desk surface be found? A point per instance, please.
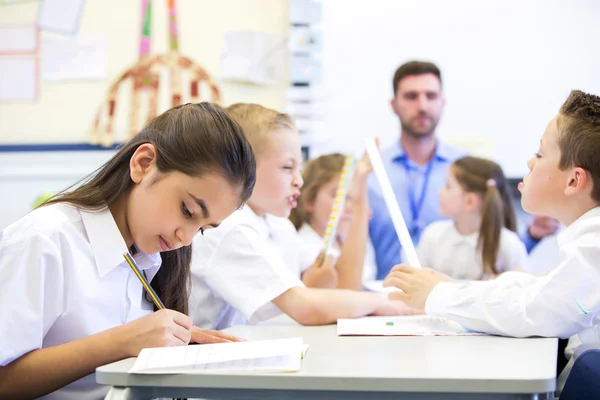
(428, 367)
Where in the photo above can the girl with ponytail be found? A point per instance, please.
(479, 239)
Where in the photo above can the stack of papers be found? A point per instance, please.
(277, 355)
(412, 325)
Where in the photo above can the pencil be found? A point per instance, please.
(146, 285)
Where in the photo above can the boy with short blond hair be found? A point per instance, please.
(248, 269)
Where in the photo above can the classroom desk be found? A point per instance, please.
(442, 367)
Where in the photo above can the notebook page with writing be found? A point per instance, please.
(410, 325)
(261, 355)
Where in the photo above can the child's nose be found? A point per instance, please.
(298, 181)
(530, 163)
(186, 235)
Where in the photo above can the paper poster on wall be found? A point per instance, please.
(305, 11)
(18, 79)
(75, 58)
(61, 16)
(8, 2)
(253, 57)
(18, 39)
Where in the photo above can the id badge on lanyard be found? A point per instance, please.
(416, 204)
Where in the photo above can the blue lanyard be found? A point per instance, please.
(416, 206)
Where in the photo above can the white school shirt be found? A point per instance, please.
(62, 278)
(562, 303)
(239, 268)
(311, 244)
(444, 249)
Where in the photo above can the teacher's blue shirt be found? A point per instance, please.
(416, 189)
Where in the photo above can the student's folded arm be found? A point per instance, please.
(309, 306)
(559, 304)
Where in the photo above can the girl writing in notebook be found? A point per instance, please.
(479, 239)
(356, 261)
(73, 302)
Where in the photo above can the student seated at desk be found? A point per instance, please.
(72, 301)
(356, 262)
(479, 241)
(249, 266)
(563, 182)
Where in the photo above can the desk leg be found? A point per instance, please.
(543, 396)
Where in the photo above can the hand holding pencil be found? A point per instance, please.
(164, 327)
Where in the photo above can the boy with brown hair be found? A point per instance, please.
(563, 182)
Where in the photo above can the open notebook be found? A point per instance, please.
(411, 325)
(277, 355)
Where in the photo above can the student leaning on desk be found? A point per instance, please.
(248, 269)
(563, 182)
(72, 301)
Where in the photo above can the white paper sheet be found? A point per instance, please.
(410, 325)
(18, 79)
(263, 355)
(60, 16)
(392, 204)
(17, 39)
(66, 59)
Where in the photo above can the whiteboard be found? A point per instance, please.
(507, 66)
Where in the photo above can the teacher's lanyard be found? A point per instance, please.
(416, 205)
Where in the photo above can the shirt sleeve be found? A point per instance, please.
(248, 274)
(31, 294)
(559, 304)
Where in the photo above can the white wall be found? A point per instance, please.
(65, 111)
(24, 176)
(507, 67)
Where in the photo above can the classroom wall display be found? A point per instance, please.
(145, 75)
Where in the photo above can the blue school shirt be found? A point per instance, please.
(416, 189)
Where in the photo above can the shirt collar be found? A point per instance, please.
(108, 245)
(458, 238)
(443, 152)
(260, 223)
(572, 232)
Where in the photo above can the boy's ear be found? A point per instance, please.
(577, 181)
(142, 162)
